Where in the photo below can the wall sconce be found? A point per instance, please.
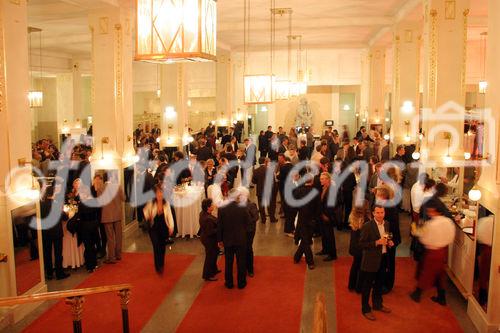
(483, 86)
(407, 136)
(129, 138)
(3, 257)
(104, 140)
(448, 159)
(475, 194)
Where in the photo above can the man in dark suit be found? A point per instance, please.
(53, 232)
(347, 153)
(374, 243)
(208, 237)
(162, 168)
(259, 179)
(305, 222)
(226, 138)
(269, 134)
(284, 171)
(232, 224)
(204, 152)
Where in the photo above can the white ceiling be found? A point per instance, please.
(323, 23)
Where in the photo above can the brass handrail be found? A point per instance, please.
(54, 295)
(75, 299)
(319, 321)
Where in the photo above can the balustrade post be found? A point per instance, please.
(124, 300)
(76, 304)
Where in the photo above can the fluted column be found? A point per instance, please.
(445, 50)
(377, 85)
(173, 105)
(405, 87)
(112, 81)
(15, 134)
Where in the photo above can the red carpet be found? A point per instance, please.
(102, 313)
(27, 271)
(407, 316)
(271, 301)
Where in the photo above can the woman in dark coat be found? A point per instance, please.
(208, 234)
(356, 221)
(326, 218)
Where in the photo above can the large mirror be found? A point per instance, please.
(484, 235)
(26, 251)
(128, 180)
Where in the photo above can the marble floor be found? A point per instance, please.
(269, 241)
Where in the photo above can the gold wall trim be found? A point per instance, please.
(320, 89)
(2, 67)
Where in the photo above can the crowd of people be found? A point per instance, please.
(319, 182)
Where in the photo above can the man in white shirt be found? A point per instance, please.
(436, 234)
(419, 194)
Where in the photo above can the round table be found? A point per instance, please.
(187, 205)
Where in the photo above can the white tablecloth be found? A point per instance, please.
(187, 205)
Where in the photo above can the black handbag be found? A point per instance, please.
(73, 224)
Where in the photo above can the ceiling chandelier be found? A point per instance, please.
(258, 88)
(298, 87)
(176, 30)
(35, 97)
(282, 86)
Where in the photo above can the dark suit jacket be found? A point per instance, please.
(232, 224)
(307, 214)
(56, 231)
(208, 229)
(259, 179)
(225, 139)
(372, 254)
(325, 209)
(204, 153)
(253, 211)
(284, 172)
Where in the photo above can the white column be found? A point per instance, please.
(445, 46)
(336, 109)
(490, 177)
(364, 103)
(15, 133)
(405, 90)
(377, 85)
(112, 81)
(174, 95)
(224, 89)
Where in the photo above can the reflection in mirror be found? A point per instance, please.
(26, 250)
(483, 256)
(449, 177)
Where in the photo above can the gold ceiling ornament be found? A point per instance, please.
(258, 89)
(35, 97)
(176, 30)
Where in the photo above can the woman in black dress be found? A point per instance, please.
(326, 218)
(208, 235)
(161, 225)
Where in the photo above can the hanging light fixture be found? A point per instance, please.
(298, 87)
(282, 86)
(447, 158)
(258, 88)
(158, 89)
(35, 97)
(176, 30)
(483, 84)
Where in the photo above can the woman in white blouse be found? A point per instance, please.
(158, 215)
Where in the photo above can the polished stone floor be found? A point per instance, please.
(269, 241)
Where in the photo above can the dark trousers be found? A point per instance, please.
(304, 248)
(372, 282)
(102, 240)
(249, 259)
(240, 252)
(290, 214)
(210, 264)
(347, 197)
(328, 239)
(271, 208)
(50, 243)
(158, 234)
(390, 272)
(354, 274)
(90, 237)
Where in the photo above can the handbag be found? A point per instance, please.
(73, 224)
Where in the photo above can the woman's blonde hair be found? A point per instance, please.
(358, 216)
